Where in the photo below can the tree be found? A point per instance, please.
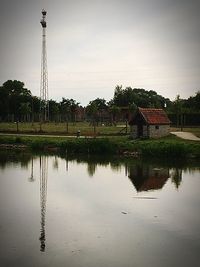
(65, 111)
(139, 97)
(193, 103)
(54, 110)
(92, 111)
(100, 107)
(4, 103)
(114, 110)
(35, 108)
(13, 94)
(100, 103)
(178, 110)
(25, 110)
(73, 108)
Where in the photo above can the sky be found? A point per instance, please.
(94, 45)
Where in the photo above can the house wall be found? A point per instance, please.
(134, 131)
(158, 131)
(151, 131)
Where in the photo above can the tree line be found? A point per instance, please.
(18, 104)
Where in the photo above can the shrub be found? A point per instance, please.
(91, 146)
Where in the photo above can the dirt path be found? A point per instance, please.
(186, 135)
(43, 135)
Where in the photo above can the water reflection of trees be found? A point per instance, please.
(176, 176)
(95, 161)
(55, 163)
(14, 157)
(93, 164)
(116, 166)
(91, 168)
(31, 178)
(143, 174)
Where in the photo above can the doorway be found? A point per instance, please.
(140, 130)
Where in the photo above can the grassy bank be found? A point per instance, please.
(85, 128)
(171, 146)
(61, 128)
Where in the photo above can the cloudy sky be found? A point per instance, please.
(93, 45)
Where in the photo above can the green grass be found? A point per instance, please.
(61, 128)
(84, 127)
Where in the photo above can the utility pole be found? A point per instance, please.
(44, 105)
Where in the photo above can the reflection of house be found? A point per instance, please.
(146, 177)
(149, 122)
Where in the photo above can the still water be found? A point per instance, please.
(56, 211)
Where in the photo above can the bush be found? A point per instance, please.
(90, 146)
(167, 149)
(18, 140)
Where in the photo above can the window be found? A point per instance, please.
(157, 127)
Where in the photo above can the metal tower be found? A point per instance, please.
(44, 105)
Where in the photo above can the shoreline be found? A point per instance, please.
(169, 147)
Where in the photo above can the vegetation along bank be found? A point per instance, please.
(171, 146)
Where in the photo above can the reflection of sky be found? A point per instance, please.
(85, 223)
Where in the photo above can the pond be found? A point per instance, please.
(60, 211)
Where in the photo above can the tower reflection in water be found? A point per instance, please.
(43, 198)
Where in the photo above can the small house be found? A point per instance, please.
(149, 123)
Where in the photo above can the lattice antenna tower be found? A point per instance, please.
(44, 105)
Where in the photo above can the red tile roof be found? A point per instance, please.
(153, 183)
(154, 116)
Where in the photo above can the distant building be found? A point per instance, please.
(149, 123)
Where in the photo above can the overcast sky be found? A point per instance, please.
(93, 45)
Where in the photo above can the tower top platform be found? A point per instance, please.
(43, 21)
(44, 12)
